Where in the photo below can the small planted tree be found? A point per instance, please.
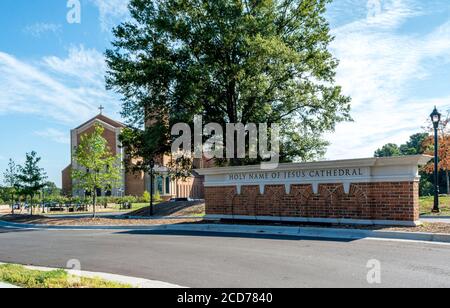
(10, 180)
(97, 168)
(146, 197)
(31, 178)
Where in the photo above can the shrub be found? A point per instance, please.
(146, 197)
(157, 196)
(102, 201)
(426, 188)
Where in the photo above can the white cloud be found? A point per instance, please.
(389, 14)
(54, 135)
(65, 90)
(111, 12)
(378, 64)
(88, 65)
(39, 29)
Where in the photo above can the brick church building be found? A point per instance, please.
(132, 184)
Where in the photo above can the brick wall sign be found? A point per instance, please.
(382, 191)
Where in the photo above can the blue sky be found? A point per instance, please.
(395, 63)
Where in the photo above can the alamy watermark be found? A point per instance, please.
(74, 269)
(74, 14)
(236, 140)
(374, 274)
(374, 8)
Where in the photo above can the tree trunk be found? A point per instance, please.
(12, 204)
(94, 201)
(31, 204)
(448, 181)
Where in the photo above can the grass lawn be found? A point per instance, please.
(426, 205)
(22, 277)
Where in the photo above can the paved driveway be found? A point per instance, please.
(218, 260)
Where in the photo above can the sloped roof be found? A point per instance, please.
(105, 119)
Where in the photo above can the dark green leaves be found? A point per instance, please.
(248, 61)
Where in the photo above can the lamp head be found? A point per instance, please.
(435, 117)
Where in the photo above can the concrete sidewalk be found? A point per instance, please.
(7, 286)
(436, 219)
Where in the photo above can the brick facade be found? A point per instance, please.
(132, 184)
(397, 201)
(192, 187)
(67, 181)
(110, 137)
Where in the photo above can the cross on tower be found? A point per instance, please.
(101, 108)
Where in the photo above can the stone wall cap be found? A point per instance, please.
(413, 160)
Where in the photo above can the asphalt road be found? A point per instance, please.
(217, 260)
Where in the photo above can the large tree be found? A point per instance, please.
(97, 168)
(415, 145)
(31, 178)
(232, 61)
(388, 150)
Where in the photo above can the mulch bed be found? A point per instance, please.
(173, 209)
(85, 221)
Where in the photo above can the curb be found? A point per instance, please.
(330, 233)
(133, 281)
(4, 285)
(436, 219)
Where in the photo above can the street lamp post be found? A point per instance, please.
(436, 119)
(152, 168)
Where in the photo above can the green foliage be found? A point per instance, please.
(51, 189)
(26, 278)
(415, 146)
(146, 197)
(5, 194)
(98, 168)
(31, 178)
(103, 201)
(388, 150)
(426, 187)
(11, 181)
(10, 174)
(130, 199)
(231, 61)
(157, 196)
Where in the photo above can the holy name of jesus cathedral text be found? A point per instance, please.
(298, 174)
